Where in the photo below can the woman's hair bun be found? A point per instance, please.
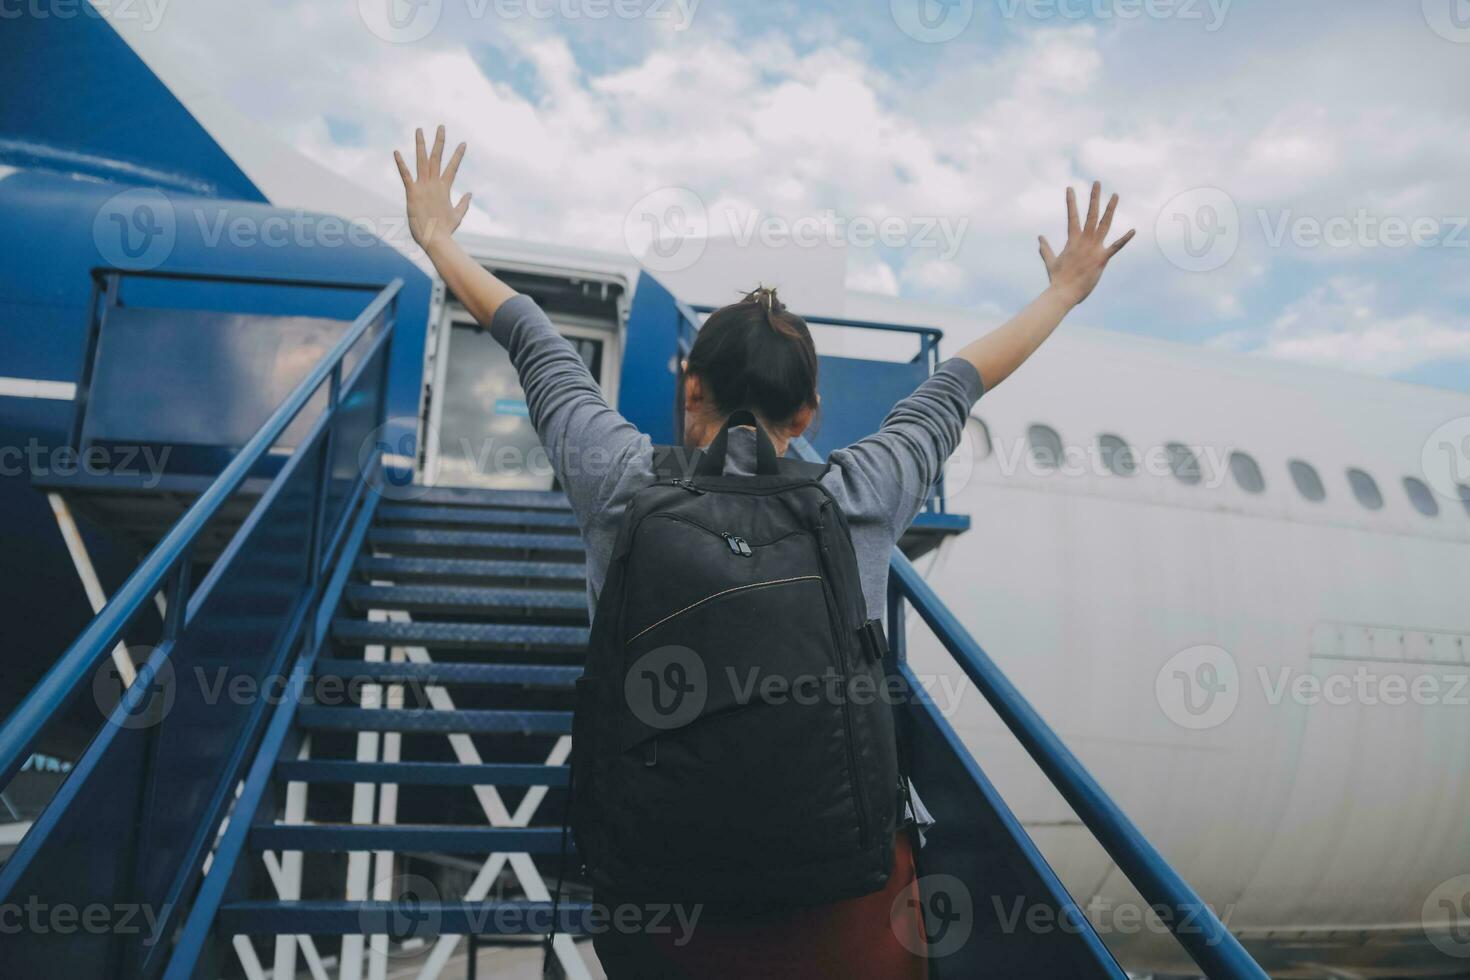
(756, 354)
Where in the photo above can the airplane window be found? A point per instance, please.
(1247, 473)
(1183, 462)
(1365, 489)
(1046, 446)
(1308, 483)
(1421, 497)
(1117, 455)
(979, 434)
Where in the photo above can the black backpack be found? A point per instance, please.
(732, 740)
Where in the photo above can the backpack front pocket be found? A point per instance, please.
(735, 711)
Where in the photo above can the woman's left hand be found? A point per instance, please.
(431, 216)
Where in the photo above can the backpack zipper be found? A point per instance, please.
(738, 545)
(859, 796)
(726, 535)
(718, 595)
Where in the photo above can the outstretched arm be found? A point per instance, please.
(891, 473)
(432, 219)
(588, 444)
(1073, 275)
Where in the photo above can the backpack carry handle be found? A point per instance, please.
(712, 463)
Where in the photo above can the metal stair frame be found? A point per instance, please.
(47, 863)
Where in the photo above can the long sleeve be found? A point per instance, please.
(890, 474)
(589, 444)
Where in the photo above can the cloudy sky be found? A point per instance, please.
(1297, 171)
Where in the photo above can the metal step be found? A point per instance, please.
(486, 517)
(503, 544)
(412, 919)
(321, 838)
(521, 603)
(421, 773)
(509, 637)
(420, 720)
(476, 497)
(448, 673)
(472, 571)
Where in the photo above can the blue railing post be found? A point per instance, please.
(176, 596)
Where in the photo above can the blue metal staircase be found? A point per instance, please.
(280, 767)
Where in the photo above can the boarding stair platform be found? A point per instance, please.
(345, 748)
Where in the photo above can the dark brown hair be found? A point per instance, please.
(757, 354)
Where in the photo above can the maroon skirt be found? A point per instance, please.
(874, 937)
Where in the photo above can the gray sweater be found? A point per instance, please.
(880, 482)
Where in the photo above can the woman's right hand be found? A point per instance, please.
(1076, 271)
(431, 216)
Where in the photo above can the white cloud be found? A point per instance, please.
(1364, 116)
(1340, 324)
